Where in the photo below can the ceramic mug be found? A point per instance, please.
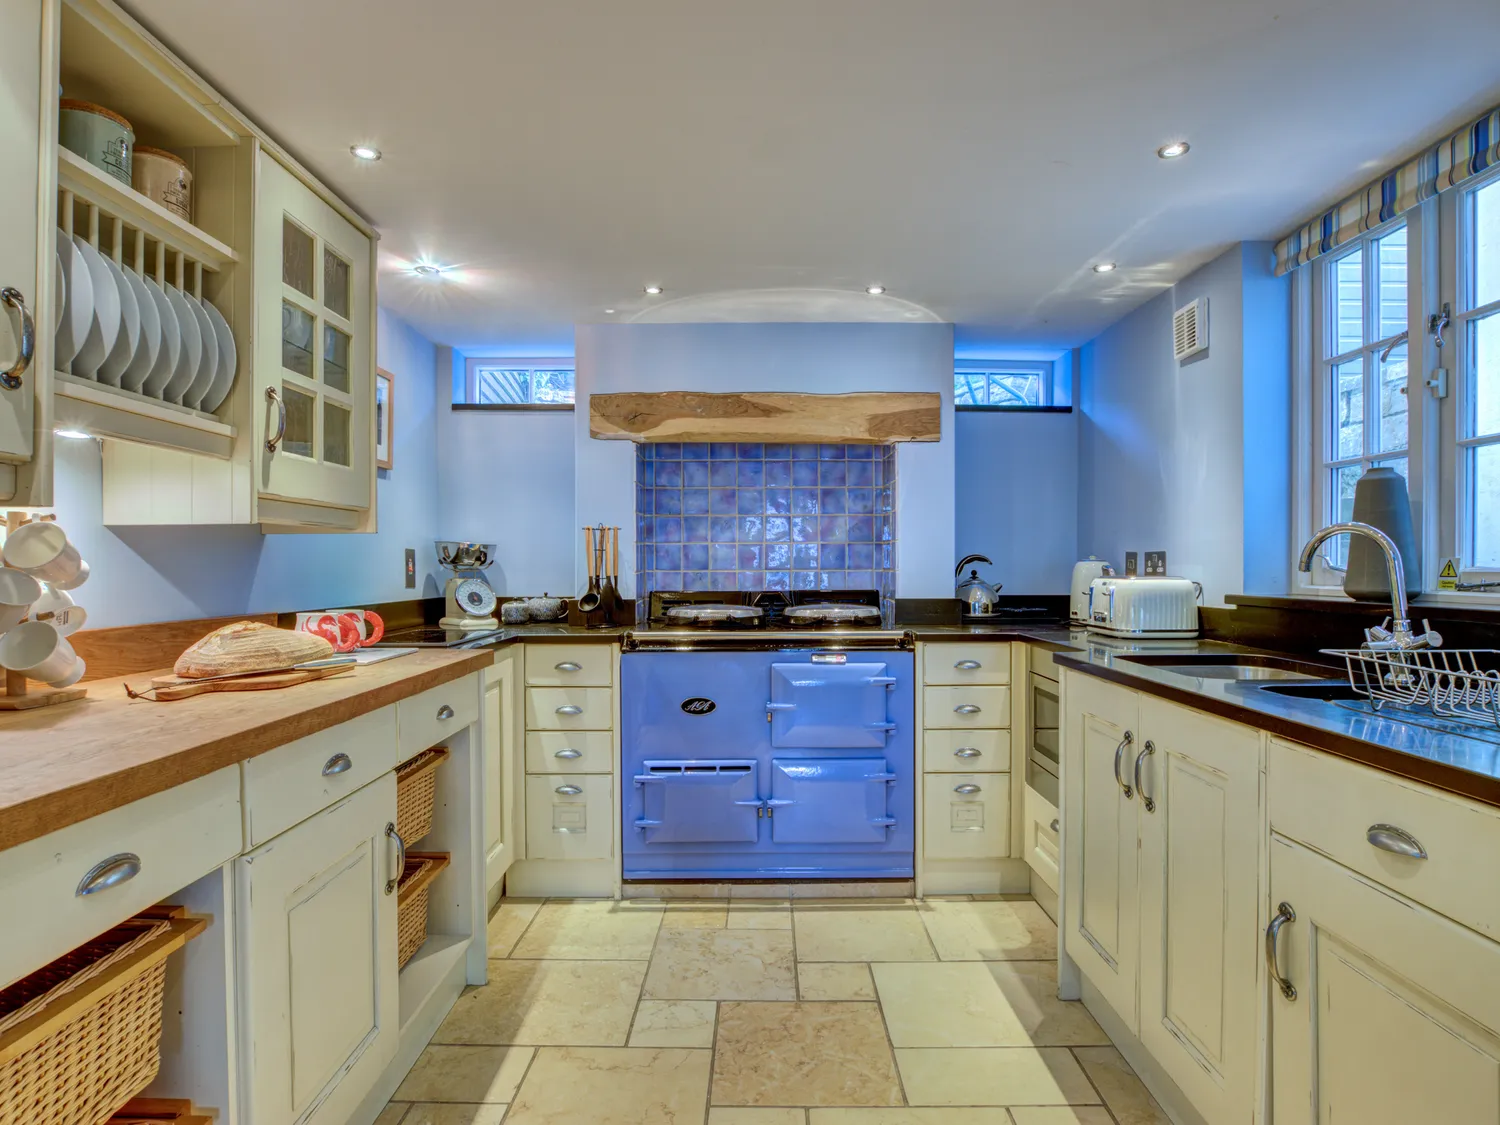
(18, 590)
(344, 629)
(58, 607)
(42, 550)
(38, 651)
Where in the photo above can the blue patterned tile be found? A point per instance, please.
(645, 451)
(695, 529)
(695, 556)
(669, 474)
(723, 556)
(752, 579)
(861, 556)
(694, 450)
(859, 579)
(861, 474)
(778, 556)
(778, 474)
(860, 452)
(778, 580)
(862, 529)
(723, 529)
(752, 501)
(750, 451)
(723, 501)
(668, 529)
(668, 580)
(752, 474)
(831, 556)
(721, 451)
(831, 580)
(778, 452)
(695, 474)
(723, 580)
(831, 501)
(642, 501)
(805, 556)
(749, 556)
(833, 529)
(645, 529)
(752, 528)
(804, 453)
(861, 501)
(668, 558)
(723, 474)
(805, 529)
(695, 580)
(646, 473)
(695, 501)
(804, 580)
(832, 453)
(831, 474)
(668, 451)
(805, 501)
(805, 474)
(778, 501)
(668, 501)
(778, 529)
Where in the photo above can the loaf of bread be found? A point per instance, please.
(248, 646)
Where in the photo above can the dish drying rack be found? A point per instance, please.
(1455, 683)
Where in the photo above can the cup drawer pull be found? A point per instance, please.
(569, 753)
(568, 666)
(966, 752)
(445, 712)
(339, 763)
(568, 790)
(966, 709)
(1389, 838)
(109, 872)
(570, 709)
(968, 790)
(968, 665)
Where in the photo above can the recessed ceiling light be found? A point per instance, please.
(365, 152)
(1174, 150)
(71, 434)
(427, 269)
(1104, 267)
(653, 290)
(610, 312)
(874, 290)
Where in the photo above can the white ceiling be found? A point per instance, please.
(974, 156)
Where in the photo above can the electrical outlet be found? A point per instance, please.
(1156, 564)
(1132, 564)
(411, 568)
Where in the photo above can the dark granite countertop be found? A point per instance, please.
(1466, 764)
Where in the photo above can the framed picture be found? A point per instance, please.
(385, 424)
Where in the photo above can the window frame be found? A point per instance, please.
(1459, 293)
(1045, 369)
(472, 364)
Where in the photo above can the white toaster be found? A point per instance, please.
(1144, 607)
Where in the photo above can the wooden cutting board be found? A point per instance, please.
(175, 687)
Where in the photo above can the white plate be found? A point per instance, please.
(171, 343)
(191, 356)
(228, 361)
(78, 308)
(104, 329)
(208, 365)
(149, 347)
(59, 296)
(129, 339)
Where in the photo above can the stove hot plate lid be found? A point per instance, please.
(710, 613)
(833, 611)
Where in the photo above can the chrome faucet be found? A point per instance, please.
(1399, 635)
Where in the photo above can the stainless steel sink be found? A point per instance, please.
(1234, 666)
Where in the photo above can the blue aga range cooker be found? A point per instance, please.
(767, 747)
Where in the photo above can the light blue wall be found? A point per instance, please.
(818, 358)
(168, 573)
(1192, 458)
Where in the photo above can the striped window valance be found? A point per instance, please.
(1459, 157)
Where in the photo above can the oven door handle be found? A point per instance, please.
(776, 803)
(753, 803)
(886, 777)
(880, 726)
(883, 821)
(781, 706)
(882, 681)
(642, 823)
(644, 778)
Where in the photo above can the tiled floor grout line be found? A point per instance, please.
(531, 1062)
(713, 1059)
(889, 1042)
(1073, 1051)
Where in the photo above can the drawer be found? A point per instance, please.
(966, 815)
(583, 751)
(965, 751)
(427, 719)
(964, 707)
(562, 824)
(176, 838)
(287, 785)
(570, 708)
(966, 664)
(1040, 661)
(591, 665)
(1039, 843)
(1332, 804)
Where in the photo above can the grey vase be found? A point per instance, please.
(1381, 500)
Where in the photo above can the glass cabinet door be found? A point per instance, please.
(315, 382)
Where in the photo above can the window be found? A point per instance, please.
(1477, 329)
(1005, 385)
(519, 384)
(1362, 377)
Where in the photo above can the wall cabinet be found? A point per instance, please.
(317, 961)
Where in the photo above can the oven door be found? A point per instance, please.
(698, 802)
(828, 706)
(830, 801)
(1044, 723)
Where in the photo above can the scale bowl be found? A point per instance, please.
(464, 556)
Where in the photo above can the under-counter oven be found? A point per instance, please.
(1043, 764)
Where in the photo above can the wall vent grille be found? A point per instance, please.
(1190, 329)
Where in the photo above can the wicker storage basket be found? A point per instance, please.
(82, 1036)
(411, 902)
(416, 788)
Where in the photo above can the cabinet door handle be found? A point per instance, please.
(273, 395)
(569, 753)
(570, 709)
(1056, 825)
(966, 709)
(966, 752)
(445, 712)
(1128, 740)
(1150, 748)
(568, 666)
(968, 665)
(108, 873)
(968, 789)
(395, 881)
(10, 379)
(339, 763)
(568, 790)
(1389, 838)
(1284, 914)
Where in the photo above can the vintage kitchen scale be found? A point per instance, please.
(469, 600)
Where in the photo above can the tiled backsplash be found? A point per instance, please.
(765, 517)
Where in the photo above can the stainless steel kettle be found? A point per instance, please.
(978, 596)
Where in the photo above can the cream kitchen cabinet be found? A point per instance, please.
(1389, 1013)
(500, 728)
(316, 958)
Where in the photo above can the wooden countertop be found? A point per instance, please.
(66, 763)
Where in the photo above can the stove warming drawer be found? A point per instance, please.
(768, 764)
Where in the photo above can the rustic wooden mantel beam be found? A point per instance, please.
(866, 418)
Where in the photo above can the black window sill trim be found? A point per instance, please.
(1014, 409)
(513, 406)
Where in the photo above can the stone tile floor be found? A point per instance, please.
(764, 1012)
